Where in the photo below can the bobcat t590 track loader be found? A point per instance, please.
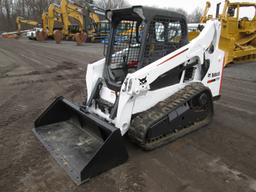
(153, 85)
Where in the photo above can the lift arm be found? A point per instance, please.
(21, 20)
(74, 11)
(45, 21)
(54, 14)
(204, 18)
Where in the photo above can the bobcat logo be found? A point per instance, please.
(143, 81)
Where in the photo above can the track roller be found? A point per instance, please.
(187, 110)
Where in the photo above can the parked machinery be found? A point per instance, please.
(154, 86)
(49, 20)
(43, 34)
(97, 27)
(205, 17)
(102, 31)
(63, 14)
(78, 23)
(71, 10)
(238, 35)
(21, 20)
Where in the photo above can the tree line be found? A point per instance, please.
(10, 9)
(33, 9)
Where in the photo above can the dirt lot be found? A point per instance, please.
(220, 157)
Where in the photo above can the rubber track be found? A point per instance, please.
(143, 121)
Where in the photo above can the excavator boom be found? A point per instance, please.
(21, 20)
(66, 13)
(72, 10)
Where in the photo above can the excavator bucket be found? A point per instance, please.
(80, 142)
(58, 36)
(80, 38)
(41, 36)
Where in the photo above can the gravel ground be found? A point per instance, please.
(219, 157)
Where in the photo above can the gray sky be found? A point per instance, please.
(187, 5)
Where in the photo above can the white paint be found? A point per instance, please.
(108, 94)
(136, 97)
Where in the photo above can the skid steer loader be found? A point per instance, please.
(155, 86)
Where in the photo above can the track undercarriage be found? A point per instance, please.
(188, 110)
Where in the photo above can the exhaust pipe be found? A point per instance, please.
(217, 10)
(83, 144)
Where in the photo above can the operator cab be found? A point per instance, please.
(139, 36)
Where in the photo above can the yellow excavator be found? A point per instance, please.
(238, 34)
(62, 14)
(96, 28)
(89, 24)
(49, 19)
(21, 20)
(43, 35)
(54, 13)
(74, 11)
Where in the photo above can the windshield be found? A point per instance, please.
(125, 49)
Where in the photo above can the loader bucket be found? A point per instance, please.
(80, 142)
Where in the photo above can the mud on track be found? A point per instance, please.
(219, 157)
